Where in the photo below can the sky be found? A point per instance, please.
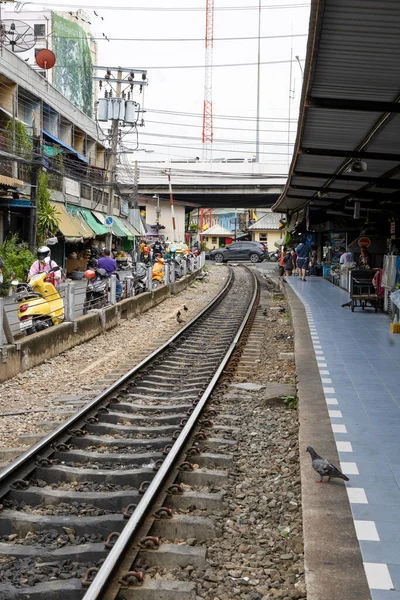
(173, 99)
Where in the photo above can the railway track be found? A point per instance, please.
(85, 507)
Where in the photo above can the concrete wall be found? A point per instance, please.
(37, 348)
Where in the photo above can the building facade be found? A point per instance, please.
(67, 34)
(267, 229)
(40, 127)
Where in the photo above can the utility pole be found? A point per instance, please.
(36, 167)
(258, 85)
(171, 201)
(119, 108)
(112, 166)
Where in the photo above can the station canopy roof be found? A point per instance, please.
(350, 111)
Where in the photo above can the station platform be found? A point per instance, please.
(358, 361)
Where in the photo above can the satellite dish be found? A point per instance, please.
(45, 59)
(17, 35)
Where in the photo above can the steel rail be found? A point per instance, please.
(41, 445)
(102, 578)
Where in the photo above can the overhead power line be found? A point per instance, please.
(180, 40)
(226, 65)
(170, 8)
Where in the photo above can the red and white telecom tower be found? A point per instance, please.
(207, 109)
(206, 214)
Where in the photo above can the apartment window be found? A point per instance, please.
(42, 74)
(263, 237)
(38, 50)
(39, 29)
(214, 240)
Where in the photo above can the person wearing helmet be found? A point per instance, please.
(44, 264)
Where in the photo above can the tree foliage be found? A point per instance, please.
(17, 259)
(48, 217)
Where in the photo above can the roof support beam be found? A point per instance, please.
(357, 105)
(382, 182)
(350, 154)
(356, 193)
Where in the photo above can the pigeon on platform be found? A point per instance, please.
(324, 468)
(185, 308)
(178, 318)
(346, 305)
(265, 312)
(178, 314)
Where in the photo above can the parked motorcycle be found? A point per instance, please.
(96, 289)
(275, 256)
(140, 275)
(158, 273)
(41, 305)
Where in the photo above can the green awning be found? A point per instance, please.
(120, 229)
(90, 219)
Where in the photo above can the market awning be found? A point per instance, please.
(131, 228)
(10, 181)
(53, 138)
(67, 224)
(119, 226)
(346, 152)
(84, 229)
(90, 219)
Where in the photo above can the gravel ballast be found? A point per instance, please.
(75, 372)
(260, 553)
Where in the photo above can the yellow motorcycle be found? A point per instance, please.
(158, 273)
(41, 305)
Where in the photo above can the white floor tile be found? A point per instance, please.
(366, 530)
(332, 401)
(335, 414)
(328, 390)
(344, 447)
(322, 364)
(326, 380)
(357, 495)
(378, 576)
(319, 359)
(324, 372)
(337, 428)
(349, 468)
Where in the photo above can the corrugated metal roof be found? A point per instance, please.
(268, 221)
(216, 230)
(352, 68)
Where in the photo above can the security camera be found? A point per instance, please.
(359, 166)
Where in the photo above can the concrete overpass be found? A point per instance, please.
(232, 184)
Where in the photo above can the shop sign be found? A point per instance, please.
(364, 242)
(124, 207)
(338, 241)
(72, 187)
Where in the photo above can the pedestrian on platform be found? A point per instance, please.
(346, 257)
(288, 263)
(282, 264)
(294, 258)
(303, 258)
(364, 262)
